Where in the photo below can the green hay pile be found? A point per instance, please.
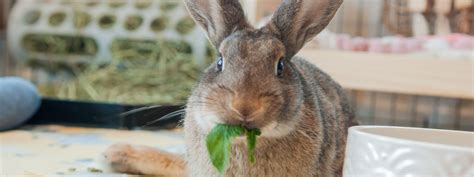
(59, 44)
(185, 26)
(141, 71)
(107, 21)
(116, 3)
(143, 4)
(168, 6)
(133, 22)
(159, 23)
(57, 18)
(81, 19)
(150, 73)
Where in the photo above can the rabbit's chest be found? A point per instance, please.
(271, 164)
(275, 160)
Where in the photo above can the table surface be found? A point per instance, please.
(54, 150)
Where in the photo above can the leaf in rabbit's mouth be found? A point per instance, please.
(219, 142)
(251, 143)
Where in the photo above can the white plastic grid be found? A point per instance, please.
(18, 27)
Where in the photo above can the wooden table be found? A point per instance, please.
(58, 150)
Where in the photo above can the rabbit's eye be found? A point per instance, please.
(220, 64)
(279, 67)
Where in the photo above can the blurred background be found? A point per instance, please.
(402, 62)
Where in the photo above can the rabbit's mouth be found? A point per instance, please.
(207, 120)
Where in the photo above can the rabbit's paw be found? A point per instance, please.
(121, 157)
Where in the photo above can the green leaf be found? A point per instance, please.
(251, 143)
(219, 144)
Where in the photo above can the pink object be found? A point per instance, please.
(406, 45)
(360, 44)
(413, 44)
(380, 45)
(347, 45)
(452, 38)
(464, 43)
(375, 45)
(343, 42)
(386, 45)
(398, 45)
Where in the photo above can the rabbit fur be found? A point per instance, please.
(258, 82)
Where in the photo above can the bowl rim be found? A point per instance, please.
(359, 130)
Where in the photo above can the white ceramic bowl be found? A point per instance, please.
(382, 151)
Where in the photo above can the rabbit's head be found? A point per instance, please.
(253, 81)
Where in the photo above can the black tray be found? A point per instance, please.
(105, 115)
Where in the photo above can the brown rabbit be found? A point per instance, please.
(257, 82)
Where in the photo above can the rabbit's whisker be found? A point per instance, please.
(167, 116)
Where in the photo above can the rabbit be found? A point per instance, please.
(258, 82)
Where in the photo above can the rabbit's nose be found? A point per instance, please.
(245, 108)
(245, 112)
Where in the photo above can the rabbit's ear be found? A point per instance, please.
(219, 18)
(298, 21)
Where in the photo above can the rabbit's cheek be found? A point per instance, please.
(267, 129)
(206, 120)
(276, 130)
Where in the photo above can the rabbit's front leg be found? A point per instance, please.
(126, 158)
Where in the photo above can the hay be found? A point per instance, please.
(81, 19)
(185, 25)
(168, 6)
(57, 18)
(159, 24)
(107, 21)
(133, 22)
(146, 73)
(59, 44)
(116, 3)
(141, 71)
(143, 4)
